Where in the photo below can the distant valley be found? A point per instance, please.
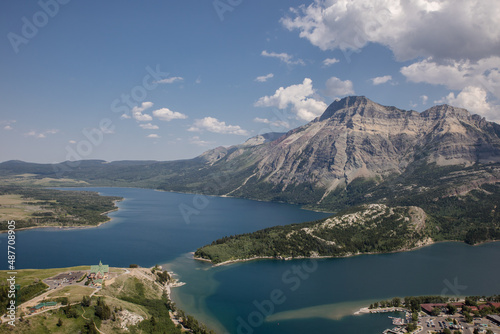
(443, 162)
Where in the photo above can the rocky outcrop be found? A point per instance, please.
(128, 319)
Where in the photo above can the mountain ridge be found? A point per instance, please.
(354, 140)
(356, 137)
(443, 164)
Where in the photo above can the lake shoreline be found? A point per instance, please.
(70, 227)
(367, 310)
(149, 229)
(302, 207)
(425, 244)
(431, 242)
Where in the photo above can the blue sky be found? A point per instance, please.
(165, 80)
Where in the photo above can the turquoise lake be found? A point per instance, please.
(264, 296)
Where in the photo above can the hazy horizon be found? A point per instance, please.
(123, 80)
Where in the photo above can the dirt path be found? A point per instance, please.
(141, 273)
(24, 307)
(4, 318)
(84, 316)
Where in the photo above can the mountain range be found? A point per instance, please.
(443, 160)
(356, 138)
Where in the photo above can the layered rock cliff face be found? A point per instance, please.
(220, 152)
(356, 137)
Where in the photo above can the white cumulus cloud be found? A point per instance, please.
(264, 78)
(475, 80)
(424, 99)
(170, 80)
(166, 114)
(458, 40)
(457, 74)
(214, 125)
(284, 57)
(137, 112)
(475, 100)
(43, 134)
(336, 88)
(274, 123)
(330, 61)
(381, 80)
(301, 98)
(197, 141)
(142, 117)
(261, 120)
(149, 126)
(7, 125)
(153, 135)
(456, 29)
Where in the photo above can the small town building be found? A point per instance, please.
(98, 273)
(495, 305)
(494, 318)
(42, 306)
(427, 308)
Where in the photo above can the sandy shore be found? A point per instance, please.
(233, 261)
(366, 310)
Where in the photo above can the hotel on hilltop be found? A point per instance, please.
(98, 273)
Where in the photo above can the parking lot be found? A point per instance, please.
(63, 279)
(437, 324)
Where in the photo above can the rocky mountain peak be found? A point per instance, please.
(358, 138)
(218, 153)
(445, 110)
(356, 105)
(262, 138)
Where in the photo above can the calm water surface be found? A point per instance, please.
(300, 296)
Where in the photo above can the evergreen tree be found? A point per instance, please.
(85, 301)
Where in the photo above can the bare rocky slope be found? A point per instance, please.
(355, 138)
